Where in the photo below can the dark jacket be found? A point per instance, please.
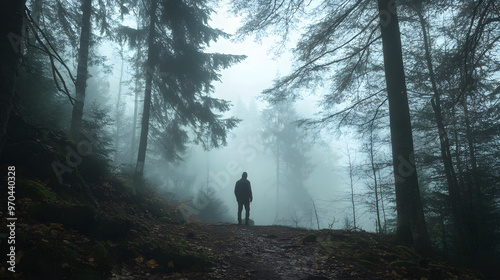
(243, 190)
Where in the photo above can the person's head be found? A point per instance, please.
(244, 175)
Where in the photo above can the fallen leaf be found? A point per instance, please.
(152, 263)
(64, 265)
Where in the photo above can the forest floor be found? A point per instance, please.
(126, 241)
(153, 248)
(133, 238)
(91, 226)
(280, 252)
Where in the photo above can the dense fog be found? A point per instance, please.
(323, 191)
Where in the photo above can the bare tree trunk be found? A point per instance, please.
(451, 177)
(36, 10)
(136, 104)
(351, 183)
(476, 216)
(141, 156)
(277, 169)
(118, 115)
(411, 227)
(134, 125)
(458, 149)
(374, 171)
(315, 213)
(36, 13)
(382, 203)
(82, 72)
(11, 18)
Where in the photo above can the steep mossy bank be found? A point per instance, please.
(47, 157)
(75, 218)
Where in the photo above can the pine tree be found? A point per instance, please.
(178, 77)
(82, 73)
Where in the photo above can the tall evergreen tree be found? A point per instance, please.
(411, 227)
(143, 139)
(83, 18)
(179, 74)
(82, 72)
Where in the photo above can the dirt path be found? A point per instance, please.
(263, 252)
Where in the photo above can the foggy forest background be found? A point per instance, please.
(148, 80)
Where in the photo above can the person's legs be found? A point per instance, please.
(240, 208)
(247, 212)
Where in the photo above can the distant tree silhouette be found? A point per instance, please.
(290, 146)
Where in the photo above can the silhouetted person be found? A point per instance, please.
(243, 193)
